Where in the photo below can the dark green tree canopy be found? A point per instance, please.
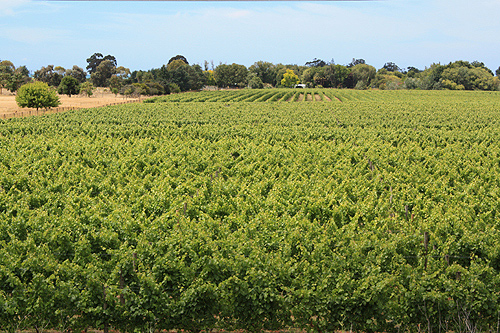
(48, 75)
(391, 67)
(69, 86)
(363, 74)
(231, 75)
(178, 57)
(78, 73)
(315, 63)
(355, 62)
(95, 60)
(18, 78)
(254, 82)
(497, 72)
(184, 76)
(103, 73)
(475, 78)
(411, 71)
(6, 71)
(266, 71)
(329, 76)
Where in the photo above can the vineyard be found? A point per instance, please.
(251, 209)
(270, 95)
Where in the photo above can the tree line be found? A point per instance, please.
(178, 75)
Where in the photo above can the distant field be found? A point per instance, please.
(376, 211)
(315, 95)
(8, 102)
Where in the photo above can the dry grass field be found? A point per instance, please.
(8, 103)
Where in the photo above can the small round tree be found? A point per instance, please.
(69, 86)
(87, 88)
(37, 95)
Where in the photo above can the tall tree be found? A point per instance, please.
(231, 75)
(78, 73)
(266, 71)
(363, 74)
(48, 75)
(95, 60)
(7, 69)
(497, 72)
(103, 73)
(336, 75)
(18, 78)
(179, 75)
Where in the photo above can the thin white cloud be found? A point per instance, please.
(8, 7)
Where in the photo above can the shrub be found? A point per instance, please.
(87, 88)
(361, 85)
(173, 88)
(37, 95)
(412, 83)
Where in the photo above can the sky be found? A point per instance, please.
(146, 34)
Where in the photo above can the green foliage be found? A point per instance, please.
(37, 95)
(391, 67)
(266, 71)
(102, 73)
(11, 77)
(459, 75)
(87, 88)
(412, 83)
(448, 84)
(290, 79)
(385, 79)
(209, 78)
(78, 73)
(363, 75)
(115, 83)
(174, 64)
(186, 77)
(96, 59)
(355, 62)
(233, 75)
(69, 86)
(178, 58)
(375, 214)
(475, 78)
(173, 88)
(49, 75)
(254, 82)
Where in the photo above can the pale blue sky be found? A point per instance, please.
(145, 34)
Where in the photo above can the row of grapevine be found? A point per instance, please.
(367, 215)
(272, 95)
(244, 95)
